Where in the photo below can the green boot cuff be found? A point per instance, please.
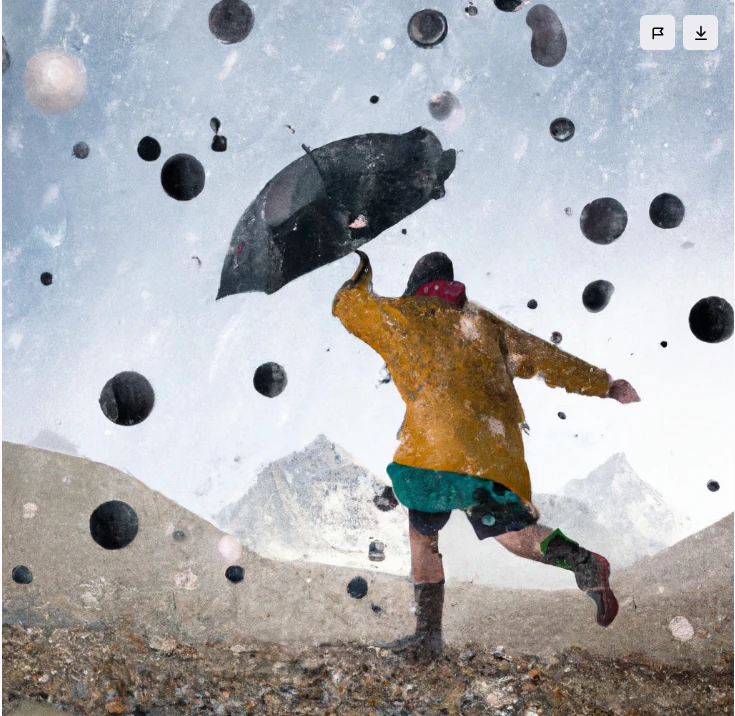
(557, 562)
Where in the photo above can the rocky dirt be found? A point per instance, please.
(118, 671)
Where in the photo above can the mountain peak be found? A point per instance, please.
(624, 501)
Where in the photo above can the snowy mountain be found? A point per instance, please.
(626, 505)
(317, 505)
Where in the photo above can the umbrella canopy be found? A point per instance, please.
(329, 202)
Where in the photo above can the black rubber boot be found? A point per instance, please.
(425, 645)
(591, 572)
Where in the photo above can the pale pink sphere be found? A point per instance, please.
(230, 548)
(55, 81)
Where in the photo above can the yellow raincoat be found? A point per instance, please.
(454, 369)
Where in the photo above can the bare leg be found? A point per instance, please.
(426, 562)
(427, 574)
(526, 542)
(591, 570)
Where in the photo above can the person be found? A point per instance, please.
(461, 445)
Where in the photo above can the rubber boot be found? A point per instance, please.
(591, 572)
(426, 644)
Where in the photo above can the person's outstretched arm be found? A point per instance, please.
(373, 319)
(527, 356)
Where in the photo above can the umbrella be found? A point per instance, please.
(329, 202)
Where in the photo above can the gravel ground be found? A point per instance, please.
(115, 671)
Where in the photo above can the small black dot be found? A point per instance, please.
(471, 10)
(603, 221)
(235, 573)
(712, 486)
(562, 129)
(231, 21)
(532, 304)
(22, 575)
(568, 211)
(80, 150)
(113, 525)
(149, 149)
(182, 177)
(563, 416)
(556, 338)
(374, 99)
(404, 231)
(666, 211)
(219, 143)
(270, 379)
(127, 398)
(711, 320)
(376, 608)
(664, 344)
(179, 536)
(427, 28)
(357, 588)
(215, 124)
(46, 278)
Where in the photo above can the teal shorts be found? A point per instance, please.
(431, 495)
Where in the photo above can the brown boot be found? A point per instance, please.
(425, 645)
(591, 571)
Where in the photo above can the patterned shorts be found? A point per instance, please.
(430, 495)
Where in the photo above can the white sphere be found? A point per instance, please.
(55, 81)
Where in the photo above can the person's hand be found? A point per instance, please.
(623, 392)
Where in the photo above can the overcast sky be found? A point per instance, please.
(128, 296)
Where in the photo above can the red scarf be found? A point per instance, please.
(452, 291)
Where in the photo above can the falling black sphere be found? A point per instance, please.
(712, 486)
(548, 41)
(219, 143)
(471, 10)
(113, 525)
(562, 129)
(357, 588)
(443, 105)
(563, 416)
(46, 278)
(22, 575)
(235, 573)
(664, 344)
(667, 211)
(711, 320)
(386, 501)
(404, 231)
(149, 149)
(427, 28)
(532, 304)
(270, 379)
(182, 177)
(127, 398)
(374, 99)
(596, 295)
(179, 536)
(80, 150)
(603, 220)
(215, 124)
(556, 338)
(231, 21)
(508, 5)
